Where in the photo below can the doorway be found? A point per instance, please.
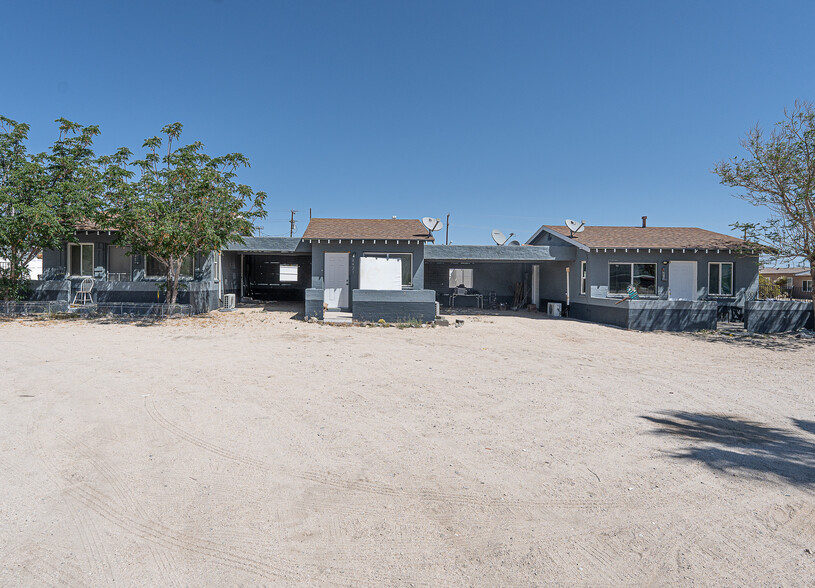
(336, 280)
(682, 280)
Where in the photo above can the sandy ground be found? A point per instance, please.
(248, 448)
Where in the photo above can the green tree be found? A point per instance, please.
(42, 196)
(779, 174)
(181, 202)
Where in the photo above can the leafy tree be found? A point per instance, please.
(779, 174)
(42, 196)
(181, 202)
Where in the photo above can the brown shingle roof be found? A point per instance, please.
(653, 237)
(366, 228)
(783, 271)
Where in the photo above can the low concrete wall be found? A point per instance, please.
(394, 305)
(201, 296)
(314, 302)
(649, 315)
(671, 315)
(777, 316)
(604, 313)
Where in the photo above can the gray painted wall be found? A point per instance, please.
(777, 316)
(394, 306)
(356, 249)
(649, 315)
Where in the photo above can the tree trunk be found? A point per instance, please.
(812, 293)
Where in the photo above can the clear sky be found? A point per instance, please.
(506, 115)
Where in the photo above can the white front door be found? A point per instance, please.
(336, 280)
(682, 280)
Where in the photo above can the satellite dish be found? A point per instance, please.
(431, 224)
(574, 226)
(499, 237)
(514, 242)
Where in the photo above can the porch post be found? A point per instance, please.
(536, 284)
(241, 275)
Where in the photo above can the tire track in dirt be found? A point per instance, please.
(164, 561)
(266, 567)
(377, 488)
(88, 533)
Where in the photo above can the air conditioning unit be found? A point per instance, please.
(554, 308)
(229, 301)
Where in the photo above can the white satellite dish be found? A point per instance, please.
(499, 237)
(431, 224)
(574, 226)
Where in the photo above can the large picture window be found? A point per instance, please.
(720, 278)
(460, 277)
(643, 276)
(155, 269)
(80, 259)
(407, 265)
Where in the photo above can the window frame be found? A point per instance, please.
(631, 265)
(583, 275)
(185, 277)
(280, 279)
(129, 256)
(387, 255)
(472, 276)
(81, 259)
(732, 280)
(804, 286)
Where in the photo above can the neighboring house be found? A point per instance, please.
(34, 266)
(796, 281)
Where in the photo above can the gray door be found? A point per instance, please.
(336, 280)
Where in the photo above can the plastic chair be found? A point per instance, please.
(83, 296)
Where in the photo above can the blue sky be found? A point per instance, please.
(504, 114)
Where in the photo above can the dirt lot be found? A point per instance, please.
(248, 448)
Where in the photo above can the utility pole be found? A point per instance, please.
(291, 231)
(447, 230)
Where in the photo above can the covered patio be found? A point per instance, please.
(491, 276)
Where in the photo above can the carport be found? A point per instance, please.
(267, 268)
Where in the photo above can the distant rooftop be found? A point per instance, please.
(367, 228)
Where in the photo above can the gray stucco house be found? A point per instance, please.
(391, 269)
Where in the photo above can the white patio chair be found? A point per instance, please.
(83, 296)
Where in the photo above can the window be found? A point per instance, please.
(407, 265)
(288, 272)
(643, 276)
(720, 279)
(80, 259)
(155, 269)
(460, 277)
(118, 264)
(582, 277)
(807, 285)
(789, 283)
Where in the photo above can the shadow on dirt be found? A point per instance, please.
(736, 446)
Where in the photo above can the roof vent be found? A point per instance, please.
(394, 216)
(644, 219)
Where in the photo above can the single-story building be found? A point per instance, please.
(795, 282)
(391, 269)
